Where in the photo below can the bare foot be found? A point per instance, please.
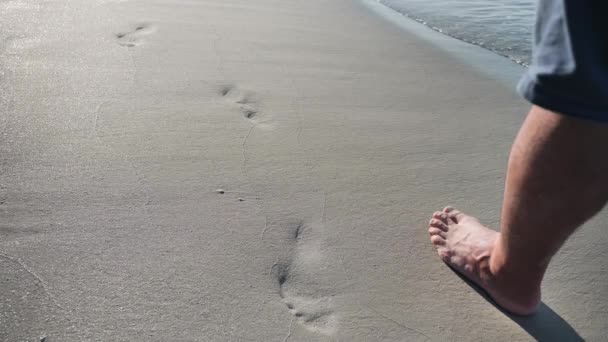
(467, 246)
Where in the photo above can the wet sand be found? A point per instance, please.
(253, 171)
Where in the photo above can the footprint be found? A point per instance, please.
(134, 37)
(297, 289)
(245, 101)
(315, 314)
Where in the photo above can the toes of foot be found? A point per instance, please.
(448, 209)
(438, 224)
(436, 231)
(437, 240)
(453, 214)
(438, 215)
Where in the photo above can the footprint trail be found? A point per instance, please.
(134, 37)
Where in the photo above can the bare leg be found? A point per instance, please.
(557, 178)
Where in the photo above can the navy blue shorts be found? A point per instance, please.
(569, 70)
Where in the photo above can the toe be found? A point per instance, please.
(438, 215)
(436, 231)
(438, 224)
(437, 240)
(453, 214)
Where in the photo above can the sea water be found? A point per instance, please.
(502, 26)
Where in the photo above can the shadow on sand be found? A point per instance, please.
(544, 326)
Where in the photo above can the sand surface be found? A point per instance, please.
(239, 170)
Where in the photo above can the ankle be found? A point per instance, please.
(515, 272)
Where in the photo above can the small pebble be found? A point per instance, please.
(220, 191)
(241, 200)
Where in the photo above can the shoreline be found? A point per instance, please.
(482, 59)
(516, 60)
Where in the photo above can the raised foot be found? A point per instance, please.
(467, 246)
